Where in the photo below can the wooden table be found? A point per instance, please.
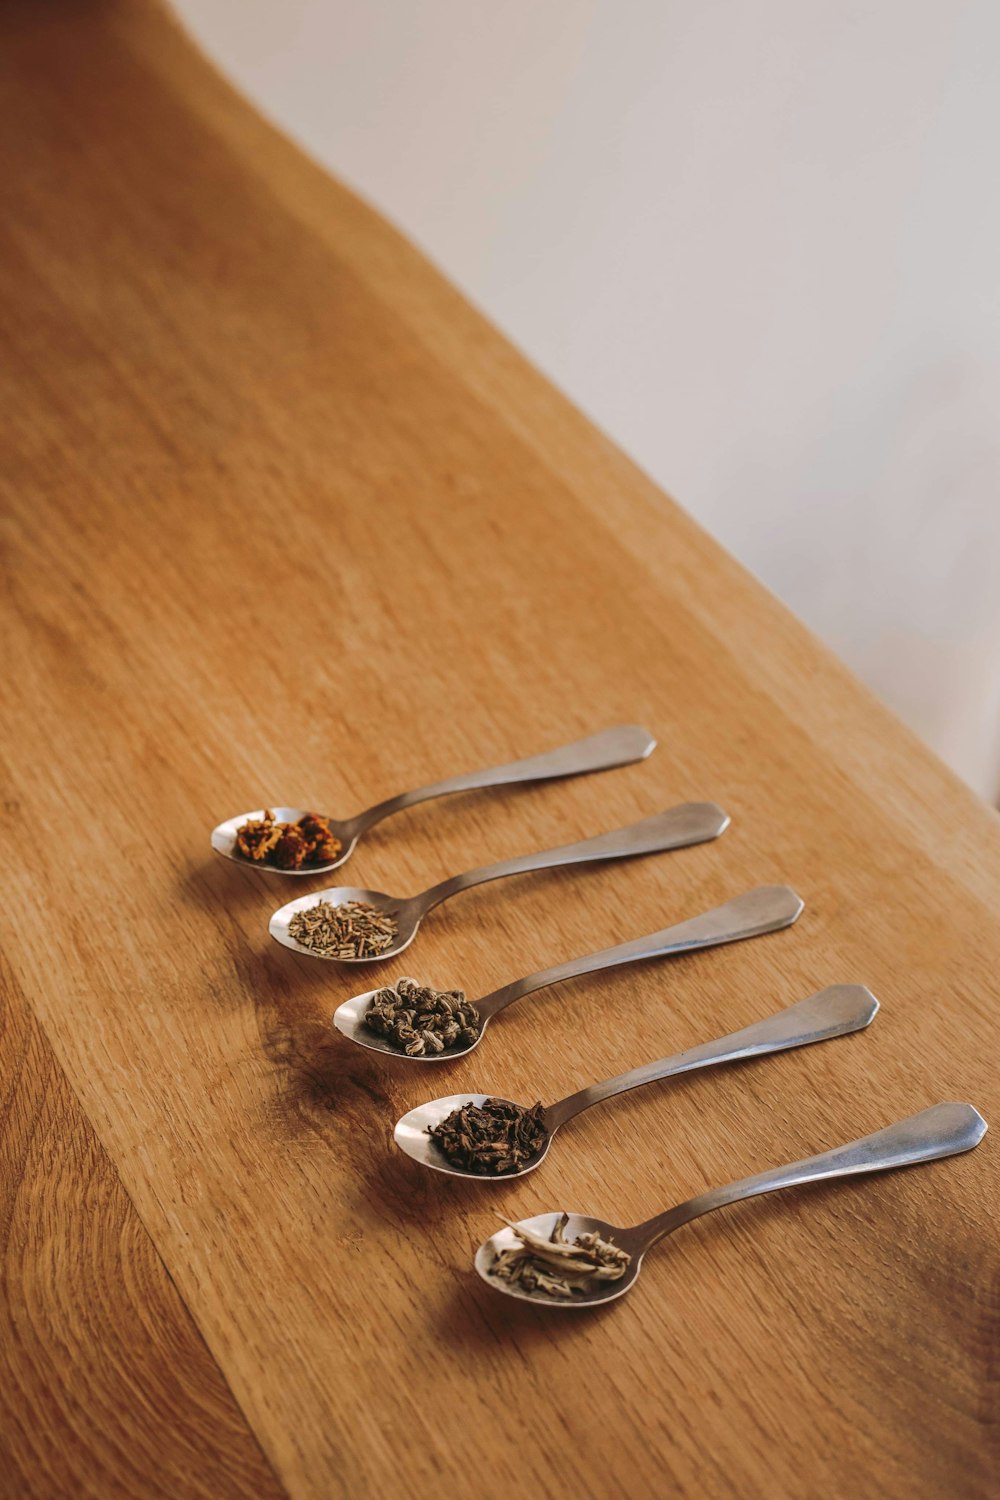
(284, 518)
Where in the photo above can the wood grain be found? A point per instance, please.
(106, 1388)
(283, 518)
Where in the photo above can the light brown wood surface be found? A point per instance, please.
(284, 519)
(107, 1388)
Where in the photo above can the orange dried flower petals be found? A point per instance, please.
(288, 846)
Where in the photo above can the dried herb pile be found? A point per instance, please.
(559, 1267)
(288, 846)
(491, 1138)
(422, 1021)
(354, 929)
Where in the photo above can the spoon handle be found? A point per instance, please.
(764, 909)
(836, 1011)
(619, 746)
(943, 1130)
(691, 823)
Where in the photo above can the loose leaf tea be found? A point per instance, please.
(559, 1267)
(354, 929)
(421, 1021)
(491, 1138)
(288, 846)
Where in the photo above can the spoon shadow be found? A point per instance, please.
(475, 1320)
(424, 1201)
(207, 882)
(317, 1073)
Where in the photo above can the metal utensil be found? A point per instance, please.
(619, 746)
(691, 823)
(767, 908)
(836, 1011)
(943, 1130)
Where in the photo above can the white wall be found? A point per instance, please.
(758, 240)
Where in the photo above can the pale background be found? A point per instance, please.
(758, 242)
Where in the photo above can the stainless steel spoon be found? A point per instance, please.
(943, 1130)
(598, 752)
(691, 823)
(836, 1011)
(766, 908)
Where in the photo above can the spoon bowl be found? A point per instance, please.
(411, 1135)
(577, 1224)
(406, 914)
(349, 1020)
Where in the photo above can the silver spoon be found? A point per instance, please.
(691, 823)
(943, 1130)
(598, 752)
(767, 908)
(836, 1011)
